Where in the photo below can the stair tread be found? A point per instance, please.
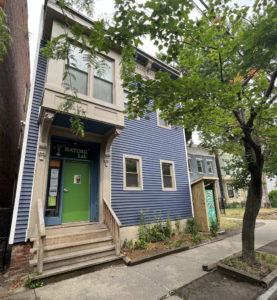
(77, 243)
(49, 237)
(74, 254)
(76, 266)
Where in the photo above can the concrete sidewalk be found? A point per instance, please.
(150, 280)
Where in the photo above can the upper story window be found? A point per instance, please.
(77, 79)
(199, 165)
(168, 175)
(230, 190)
(189, 164)
(210, 166)
(161, 121)
(132, 169)
(227, 170)
(103, 80)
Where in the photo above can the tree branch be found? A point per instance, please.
(271, 84)
(221, 67)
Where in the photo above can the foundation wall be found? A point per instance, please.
(131, 232)
(20, 257)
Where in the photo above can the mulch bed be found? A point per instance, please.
(160, 247)
(264, 265)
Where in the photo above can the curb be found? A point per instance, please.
(265, 282)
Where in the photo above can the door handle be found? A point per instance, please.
(65, 190)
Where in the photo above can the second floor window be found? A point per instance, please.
(210, 166)
(161, 121)
(77, 79)
(103, 80)
(230, 190)
(199, 165)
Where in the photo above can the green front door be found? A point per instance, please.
(211, 206)
(76, 192)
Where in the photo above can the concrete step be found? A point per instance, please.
(71, 258)
(64, 272)
(74, 237)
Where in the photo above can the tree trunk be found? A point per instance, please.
(265, 199)
(253, 204)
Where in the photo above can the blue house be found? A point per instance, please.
(78, 198)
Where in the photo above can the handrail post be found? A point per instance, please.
(41, 236)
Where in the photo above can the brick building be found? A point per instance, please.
(14, 92)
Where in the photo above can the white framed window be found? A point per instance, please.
(227, 170)
(132, 172)
(199, 165)
(230, 191)
(103, 80)
(78, 71)
(189, 164)
(168, 175)
(161, 122)
(210, 166)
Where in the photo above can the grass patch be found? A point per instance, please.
(265, 213)
(265, 264)
(230, 224)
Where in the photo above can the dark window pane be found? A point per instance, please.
(230, 191)
(131, 165)
(210, 166)
(79, 82)
(132, 180)
(189, 163)
(199, 166)
(162, 122)
(166, 169)
(102, 90)
(168, 181)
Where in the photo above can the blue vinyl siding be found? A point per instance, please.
(31, 152)
(152, 143)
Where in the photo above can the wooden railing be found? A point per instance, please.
(41, 237)
(113, 224)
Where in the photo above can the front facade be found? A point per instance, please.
(229, 193)
(86, 193)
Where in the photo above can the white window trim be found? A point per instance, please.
(209, 160)
(158, 120)
(174, 188)
(140, 187)
(199, 159)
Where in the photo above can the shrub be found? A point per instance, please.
(273, 198)
(191, 226)
(233, 205)
(196, 238)
(213, 228)
(142, 230)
